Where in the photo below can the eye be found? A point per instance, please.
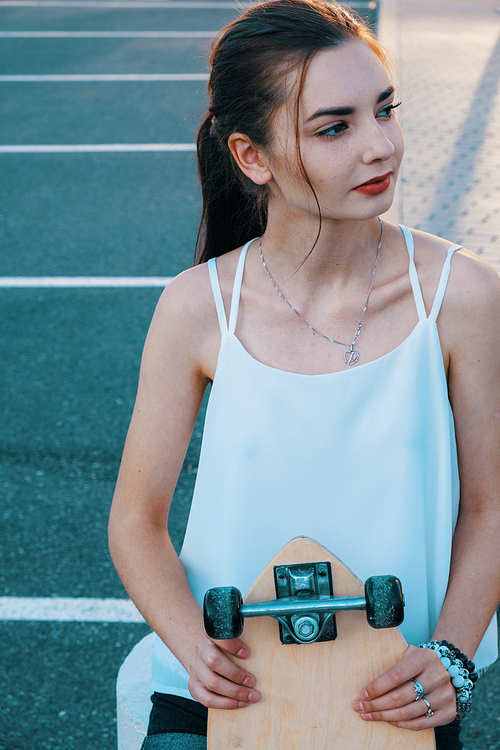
(334, 131)
(388, 110)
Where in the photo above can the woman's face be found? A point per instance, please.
(348, 137)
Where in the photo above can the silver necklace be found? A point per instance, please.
(351, 356)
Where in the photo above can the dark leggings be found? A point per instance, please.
(181, 724)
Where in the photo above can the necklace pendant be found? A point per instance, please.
(351, 357)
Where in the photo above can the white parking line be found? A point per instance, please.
(158, 4)
(107, 34)
(65, 282)
(134, 4)
(57, 78)
(85, 148)
(66, 609)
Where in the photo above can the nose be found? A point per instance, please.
(378, 146)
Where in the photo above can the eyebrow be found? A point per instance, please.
(343, 111)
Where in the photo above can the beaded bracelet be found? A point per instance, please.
(462, 672)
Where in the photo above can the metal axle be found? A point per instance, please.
(296, 605)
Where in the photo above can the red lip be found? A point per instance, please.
(375, 185)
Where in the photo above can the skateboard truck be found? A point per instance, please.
(305, 606)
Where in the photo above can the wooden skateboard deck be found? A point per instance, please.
(308, 689)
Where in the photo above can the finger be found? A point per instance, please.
(213, 700)
(439, 717)
(401, 696)
(218, 662)
(423, 722)
(236, 647)
(442, 698)
(417, 663)
(443, 694)
(400, 673)
(219, 685)
(406, 713)
(441, 702)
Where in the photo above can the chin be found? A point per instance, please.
(368, 212)
(375, 205)
(368, 207)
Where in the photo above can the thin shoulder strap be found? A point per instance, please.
(443, 281)
(412, 272)
(238, 278)
(235, 299)
(219, 304)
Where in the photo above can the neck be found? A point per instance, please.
(343, 249)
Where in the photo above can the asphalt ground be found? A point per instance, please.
(70, 357)
(95, 214)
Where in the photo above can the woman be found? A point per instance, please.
(354, 382)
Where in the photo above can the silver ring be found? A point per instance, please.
(419, 690)
(429, 711)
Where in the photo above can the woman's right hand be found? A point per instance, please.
(216, 681)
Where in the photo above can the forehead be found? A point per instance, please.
(348, 75)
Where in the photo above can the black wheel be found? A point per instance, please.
(384, 602)
(221, 613)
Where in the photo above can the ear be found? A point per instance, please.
(249, 159)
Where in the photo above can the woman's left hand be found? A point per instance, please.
(392, 697)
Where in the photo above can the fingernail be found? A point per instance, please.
(364, 694)
(367, 717)
(358, 706)
(253, 697)
(241, 653)
(249, 681)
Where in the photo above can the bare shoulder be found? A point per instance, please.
(189, 295)
(473, 284)
(187, 299)
(185, 324)
(184, 332)
(470, 314)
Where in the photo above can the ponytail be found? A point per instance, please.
(232, 212)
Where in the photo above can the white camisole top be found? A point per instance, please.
(363, 460)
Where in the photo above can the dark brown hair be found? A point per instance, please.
(250, 59)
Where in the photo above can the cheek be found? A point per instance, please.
(329, 168)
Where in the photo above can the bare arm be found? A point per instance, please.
(474, 384)
(176, 366)
(469, 325)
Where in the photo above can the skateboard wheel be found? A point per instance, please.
(384, 602)
(222, 613)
